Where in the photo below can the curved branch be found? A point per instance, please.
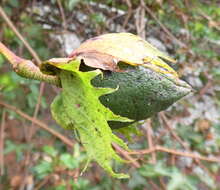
(175, 152)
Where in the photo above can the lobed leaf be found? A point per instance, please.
(78, 107)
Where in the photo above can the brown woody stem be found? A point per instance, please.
(27, 68)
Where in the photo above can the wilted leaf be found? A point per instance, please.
(106, 51)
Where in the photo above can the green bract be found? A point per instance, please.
(78, 107)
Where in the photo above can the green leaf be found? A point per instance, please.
(18, 148)
(78, 108)
(72, 4)
(68, 161)
(1, 60)
(129, 131)
(177, 179)
(81, 184)
(7, 83)
(50, 151)
(14, 3)
(43, 169)
(205, 177)
(154, 170)
(180, 181)
(97, 18)
(61, 187)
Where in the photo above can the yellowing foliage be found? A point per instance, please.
(107, 50)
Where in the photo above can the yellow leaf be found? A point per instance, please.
(106, 51)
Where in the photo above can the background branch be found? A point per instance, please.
(39, 123)
(23, 67)
(10, 24)
(175, 152)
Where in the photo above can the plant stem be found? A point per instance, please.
(27, 68)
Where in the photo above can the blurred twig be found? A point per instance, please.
(129, 13)
(35, 56)
(39, 123)
(150, 140)
(212, 23)
(180, 141)
(64, 24)
(154, 185)
(36, 110)
(176, 152)
(140, 19)
(163, 185)
(62, 14)
(167, 124)
(126, 155)
(2, 143)
(205, 88)
(31, 130)
(23, 67)
(43, 182)
(181, 44)
(11, 25)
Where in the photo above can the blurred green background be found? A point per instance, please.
(189, 31)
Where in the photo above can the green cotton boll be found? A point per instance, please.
(91, 99)
(141, 93)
